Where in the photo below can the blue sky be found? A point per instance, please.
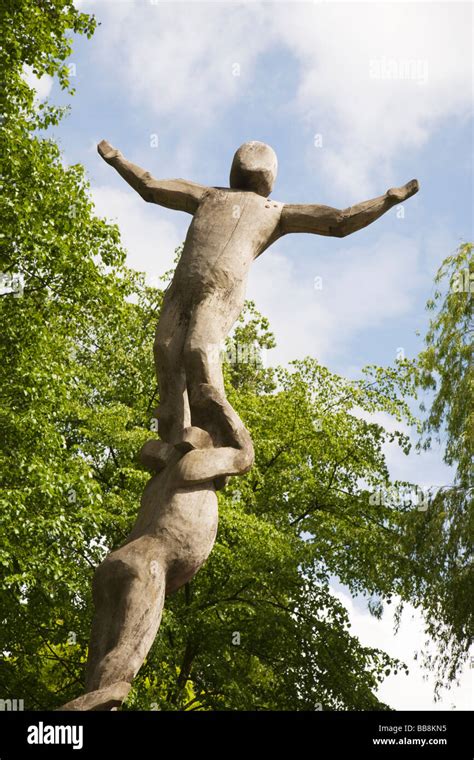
(355, 98)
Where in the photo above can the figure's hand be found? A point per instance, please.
(107, 151)
(398, 194)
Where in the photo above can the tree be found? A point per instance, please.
(445, 369)
(446, 364)
(54, 260)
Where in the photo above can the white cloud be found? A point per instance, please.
(415, 691)
(149, 238)
(42, 85)
(290, 302)
(361, 286)
(186, 60)
(422, 53)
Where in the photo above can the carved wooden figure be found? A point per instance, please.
(203, 441)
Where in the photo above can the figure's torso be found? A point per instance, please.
(229, 230)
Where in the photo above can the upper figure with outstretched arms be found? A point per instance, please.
(231, 227)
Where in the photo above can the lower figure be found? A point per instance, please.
(171, 539)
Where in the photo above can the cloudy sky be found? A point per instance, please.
(355, 98)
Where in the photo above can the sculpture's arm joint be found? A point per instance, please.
(177, 194)
(340, 226)
(144, 187)
(312, 218)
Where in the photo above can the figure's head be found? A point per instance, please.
(254, 168)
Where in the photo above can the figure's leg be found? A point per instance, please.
(129, 590)
(173, 411)
(210, 410)
(216, 464)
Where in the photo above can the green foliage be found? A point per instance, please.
(445, 369)
(446, 365)
(35, 34)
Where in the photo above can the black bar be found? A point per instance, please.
(156, 734)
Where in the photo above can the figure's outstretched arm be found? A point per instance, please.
(179, 194)
(324, 220)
